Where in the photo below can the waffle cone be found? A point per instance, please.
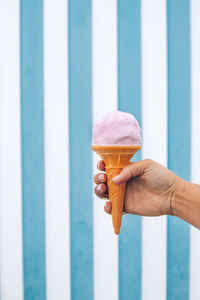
(116, 158)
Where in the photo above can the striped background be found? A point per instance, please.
(62, 66)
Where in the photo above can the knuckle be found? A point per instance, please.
(148, 161)
(130, 170)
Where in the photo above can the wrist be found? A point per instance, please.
(179, 198)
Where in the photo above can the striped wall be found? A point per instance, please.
(63, 65)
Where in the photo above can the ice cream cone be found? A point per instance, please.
(116, 158)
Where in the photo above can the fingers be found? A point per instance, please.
(100, 178)
(101, 165)
(101, 190)
(132, 170)
(108, 207)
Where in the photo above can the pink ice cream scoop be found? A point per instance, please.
(117, 129)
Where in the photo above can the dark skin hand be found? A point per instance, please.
(153, 190)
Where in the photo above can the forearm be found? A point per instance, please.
(186, 202)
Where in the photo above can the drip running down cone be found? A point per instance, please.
(116, 158)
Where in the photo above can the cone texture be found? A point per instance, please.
(116, 193)
(116, 158)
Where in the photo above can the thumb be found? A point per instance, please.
(132, 170)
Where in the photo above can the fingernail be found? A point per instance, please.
(117, 177)
(98, 188)
(101, 177)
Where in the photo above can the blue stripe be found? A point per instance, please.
(178, 18)
(32, 123)
(80, 132)
(129, 100)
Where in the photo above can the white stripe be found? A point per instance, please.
(195, 166)
(104, 47)
(154, 119)
(10, 154)
(56, 149)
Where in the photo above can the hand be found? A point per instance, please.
(149, 190)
